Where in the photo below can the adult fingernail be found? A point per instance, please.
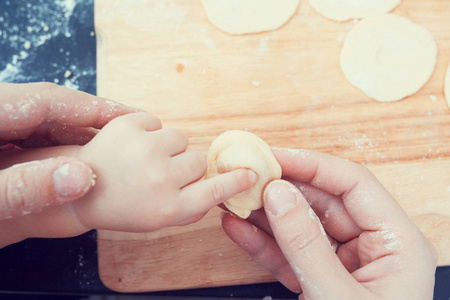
(280, 197)
(225, 212)
(72, 180)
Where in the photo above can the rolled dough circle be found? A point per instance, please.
(249, 16)
(447, 86)
(236, 149)
(388, 57)
(343, 10)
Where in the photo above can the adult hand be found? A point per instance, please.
(42, 114)
(382, 254)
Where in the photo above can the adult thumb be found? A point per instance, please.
(304, 243)
(30, 187)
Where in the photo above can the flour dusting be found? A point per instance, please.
(299, 152)
(35, 42)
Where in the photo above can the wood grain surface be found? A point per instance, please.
(285, 86)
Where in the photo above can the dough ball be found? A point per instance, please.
(249, 16)
(388, 57)
(236, 149)
(343, 10)
(447, 86)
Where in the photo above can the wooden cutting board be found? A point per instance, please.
(285, 86)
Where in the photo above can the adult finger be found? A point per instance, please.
(364, 197)
(50, 134)
(203, 195)
(349, 256)
(69, 135)
(262, 248)
(331, 211)
(258, 218)
(304, 243)
(26, 106)
(30, 187)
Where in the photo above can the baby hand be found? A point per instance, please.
(146, 180)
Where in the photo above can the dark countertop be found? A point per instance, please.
(54, 40)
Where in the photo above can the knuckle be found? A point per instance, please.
(190, 168)
(16, 191)
(198, 161)
(148, 119)
(217, 192)
(179, 136)
(176, 132)
(183, 136)
(158, 182)
(363, 170)
(194, 166)
(301, 241)
(120, 123)
(156, 121)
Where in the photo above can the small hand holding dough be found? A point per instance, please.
(236, 149)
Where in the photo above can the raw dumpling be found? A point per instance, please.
(241, 149)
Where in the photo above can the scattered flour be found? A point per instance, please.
(71, 85)
(9, 72)
(391, 240)
(256, 83)
(34, 26)
(112, 103)
(299, 152)
(263, 45)
(67, 74)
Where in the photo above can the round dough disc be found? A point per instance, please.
(388, 57)
(249, 16)
(236, 149)
(447, 86)
(343, 10)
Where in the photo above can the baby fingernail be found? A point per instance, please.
(252, 176)
(72, 180)
(280, 197)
